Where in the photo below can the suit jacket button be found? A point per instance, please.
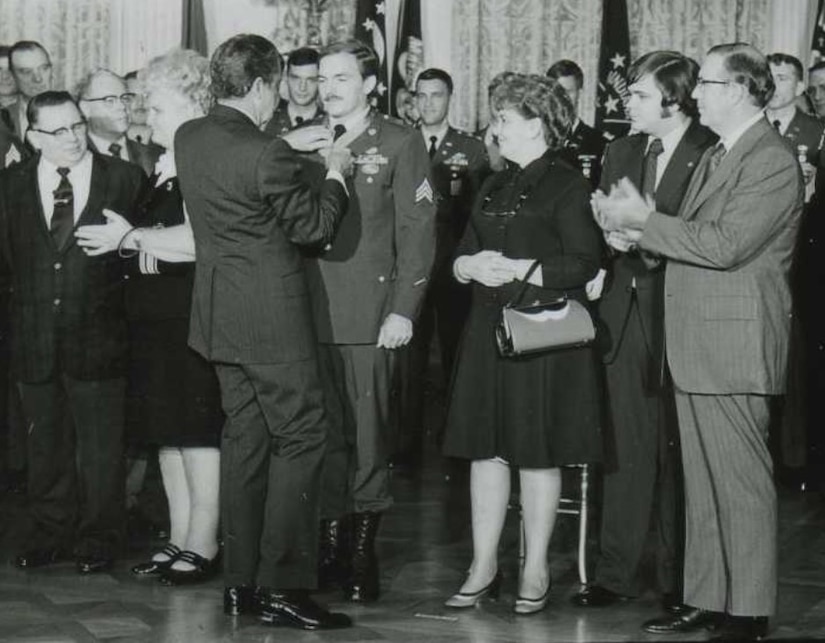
(382, 279)
(57, 302)
(58, 266)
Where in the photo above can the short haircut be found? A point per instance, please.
(674, 74)
(132, 75)
(433, 73)
(183, 71)
(237, 62)
(535, 96)
(82, 87)
(787, 59)
(27, 45)
(303, 56)
(4, 51)
(565, 67)
(818, 66)
(748, 67)
(365, 55)
(49, 98)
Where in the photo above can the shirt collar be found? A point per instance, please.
(671, 139)
(439, 135)
(102, 145)
(785, 116)
(730, 140)
(85, 164)
(352, 121)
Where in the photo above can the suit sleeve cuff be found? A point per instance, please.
(335, 175)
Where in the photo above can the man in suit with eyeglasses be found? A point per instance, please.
(68, 344)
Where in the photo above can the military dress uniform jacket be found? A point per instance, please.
(806, 130)
(280, 123)
(250, 302)
(459, 167)
(67, 307)
(381, 258)
(584, 149)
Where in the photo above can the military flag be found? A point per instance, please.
(614, 59)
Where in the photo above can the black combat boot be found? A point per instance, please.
(362, 585)
(333, 553)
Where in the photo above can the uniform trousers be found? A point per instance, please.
(731, 543)
(75, 473)
(272, 448)
(357, 380)
(642, 477)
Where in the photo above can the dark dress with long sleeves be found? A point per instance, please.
(173, 396)
(541, 410)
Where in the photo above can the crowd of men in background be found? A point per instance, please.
(437, 171)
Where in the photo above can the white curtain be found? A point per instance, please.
(140, 30)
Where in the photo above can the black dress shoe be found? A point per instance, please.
(240, 599)
(672, 604)
(296, 609)
(93, 564)
(39, 557)
(742, 628)
(597, 596)
(692, 620)
(204, 569)
(154, 567)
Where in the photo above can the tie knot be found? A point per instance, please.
(299, 120)
(433, 139)
(114, 149)
(778, 125)
(338, 131)
(655, 147)
(63, 171)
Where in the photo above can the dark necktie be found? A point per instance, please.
(299, 120)
(713, 161)
(114, 150)
(778, 126)
(63, 214)
(649, 171)
(433, 140)
(338, 131)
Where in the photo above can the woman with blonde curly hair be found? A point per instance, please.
(533, 413)
(173, 396)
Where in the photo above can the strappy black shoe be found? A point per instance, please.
(204, 569)
(155, 567)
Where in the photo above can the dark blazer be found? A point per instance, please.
(67, 308)
(625, 158)
(12, 148)
(10, 116)
(806, 130)
(381, 259)
(249, 206)
(584, 149)
(140, 154)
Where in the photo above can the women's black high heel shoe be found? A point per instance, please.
(462, 600)
(204, 569)
(155, 567)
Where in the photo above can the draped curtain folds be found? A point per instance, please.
(490, 36)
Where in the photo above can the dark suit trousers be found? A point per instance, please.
(271, 453)
(642, 479)
(357, 387)
(730, 549)
(75, 473)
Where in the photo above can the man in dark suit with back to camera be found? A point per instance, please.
(302, 106)
(250, 208)
(643, 478)
(68, 339)
(104, 100)
(458, 163)
(367, 289)
(585, 145)
(727, 322)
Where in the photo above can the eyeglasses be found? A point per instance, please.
(65, 133)
(704, 82)
(112, 100)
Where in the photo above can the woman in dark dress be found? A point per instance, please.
(173, 396)
(538, 412)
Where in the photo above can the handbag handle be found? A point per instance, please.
(516, 300)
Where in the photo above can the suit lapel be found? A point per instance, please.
(97, 195)
(679, 168)
(37, 206)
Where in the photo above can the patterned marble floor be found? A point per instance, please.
(424, 545)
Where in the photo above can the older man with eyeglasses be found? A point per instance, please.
(68, 344)
(104, 99)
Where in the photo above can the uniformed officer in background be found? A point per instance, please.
(458, 164)
(367, 288)
(302, 89)
(585, 145)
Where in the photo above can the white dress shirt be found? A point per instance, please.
(80, 176)
(670, 142)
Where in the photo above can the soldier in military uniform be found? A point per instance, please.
(458, 164)
(302, 88)
(367, 288)
(585, 145)
(801, 416)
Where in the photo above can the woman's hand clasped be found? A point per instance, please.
(488, 267)
(102, 238)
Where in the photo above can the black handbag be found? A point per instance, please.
(542, 326)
